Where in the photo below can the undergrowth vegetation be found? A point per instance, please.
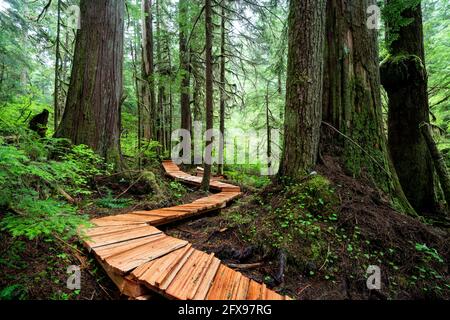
(246, 175)
(35, 176)
(323, 245)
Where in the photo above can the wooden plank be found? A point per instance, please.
(242, 290)
(116, 248)
(95, 231)
(254, 291)
(207, 280)
(203, 269)
(150, 272)
(232, 287)
(263, 291)
(180, 278)
(130, 259)
(178, 209)
(123, 218)
(272, 295)
(188, 277)
(104, 222)
(165, 280)
(121, 236)
(151, 213)
(221, 283)
(166, 212)
(125, 284)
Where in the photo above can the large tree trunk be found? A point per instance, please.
(303, 108)
(222, 91)
(92, 113)
(160, 113)
(134, 42)
(439, 162)
(352, 111)
(148, 86)
(186, 120)
(404, 77)
(209, 90)
(268, 130)
(57, 91)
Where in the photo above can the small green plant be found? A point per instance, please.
(111, 202)
(13, 292)
(12, 257)
(177, 188)
(429, 252)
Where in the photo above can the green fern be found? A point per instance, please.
(112, 203)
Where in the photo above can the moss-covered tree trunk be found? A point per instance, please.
(352, 111)
(92, 112)
(404, 77)
(303, 109)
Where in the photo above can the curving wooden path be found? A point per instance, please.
(142, 260)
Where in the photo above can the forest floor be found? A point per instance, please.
(322, 234)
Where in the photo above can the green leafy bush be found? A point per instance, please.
(31, 183)
(34, 217)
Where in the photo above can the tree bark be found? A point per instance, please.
(404, 77)
(222, 91)
(56, 97)
(92, 113)
(134, 41)
(186, 119)
(268, 130)
(352, 99)
(160, 113)
(148, 87)
(209, 90)
(303, 108)
(439, 162)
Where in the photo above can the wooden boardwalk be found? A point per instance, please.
(142, 260)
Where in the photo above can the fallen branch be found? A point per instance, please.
(246, 266)
(130, 186)
(65, 195)
(187, 231)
